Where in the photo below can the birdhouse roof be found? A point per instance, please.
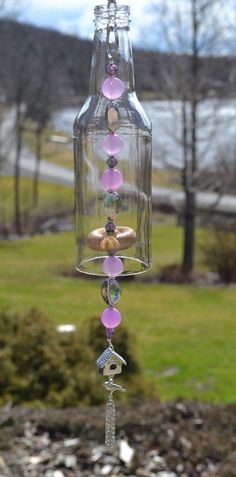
(106, 355)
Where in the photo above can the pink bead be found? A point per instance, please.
(112, 144)
(113, 88)
(113, 266)
(111, 179)
(111, 317)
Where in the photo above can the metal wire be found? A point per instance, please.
(112, 44)
(112, 47)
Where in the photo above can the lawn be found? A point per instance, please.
(51, 197)
(186, 335)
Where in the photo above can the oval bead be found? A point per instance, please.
(111, 179)
(112, 144)
(113, 119)
(112, 203)
(112, 88)
(111, 291)
(111, 317)
(113, 266)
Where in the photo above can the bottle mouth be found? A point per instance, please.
(121, 12)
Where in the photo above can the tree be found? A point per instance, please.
(17, 76)
(9, 9)
(193, 29)
(43, 96)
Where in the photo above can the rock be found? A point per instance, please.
(97, 453)
(106, 470)
(70, 461)
(166, 474)
(185, 442)
(71, 442)
(54, 473)
(34, 460)
(126, 453)
(2, 463)
(44, 439)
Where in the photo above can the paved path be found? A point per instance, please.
(204, 201)
(48, 171)
(61, 175)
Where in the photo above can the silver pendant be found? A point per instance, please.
(109, 364)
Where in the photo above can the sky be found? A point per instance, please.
(76, 17)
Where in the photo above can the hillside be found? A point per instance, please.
(70, 59)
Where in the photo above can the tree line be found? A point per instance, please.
(69, 58)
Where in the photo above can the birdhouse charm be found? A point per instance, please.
(112, 151)
(110, 362)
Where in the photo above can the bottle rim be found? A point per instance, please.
(105, 12)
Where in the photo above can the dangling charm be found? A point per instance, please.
(109, 364)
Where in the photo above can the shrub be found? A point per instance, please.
(40, 366)
(219, 255)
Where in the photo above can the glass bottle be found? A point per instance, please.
(130, 206)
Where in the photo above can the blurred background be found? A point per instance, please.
(179, 331)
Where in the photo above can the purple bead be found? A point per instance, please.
(112, 144)
(111, 179)
(111, 317)
(110, 227)
(113, 266)
(110, 333)
(112, 88)
(111, 161)
(111, 69)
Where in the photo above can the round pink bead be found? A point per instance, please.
(113, 266)
(111, 317)
(113, 88)
(112, 144)
(112, 179)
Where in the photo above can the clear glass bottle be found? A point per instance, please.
(133, 209)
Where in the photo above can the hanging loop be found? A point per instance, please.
(112, 39)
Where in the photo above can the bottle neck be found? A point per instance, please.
(122, 57)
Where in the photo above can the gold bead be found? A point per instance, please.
(125, 236)
(109, 244)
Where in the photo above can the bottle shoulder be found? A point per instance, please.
(93, 114)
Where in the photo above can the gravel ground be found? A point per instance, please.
(175, 439)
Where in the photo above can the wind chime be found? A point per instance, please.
(112, 148)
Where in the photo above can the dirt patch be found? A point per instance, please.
(183, 439)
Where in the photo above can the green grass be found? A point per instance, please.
(51, 195)
(187, 327)
(59, 154)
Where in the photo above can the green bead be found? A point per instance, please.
(111, 291)
(112, 204)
